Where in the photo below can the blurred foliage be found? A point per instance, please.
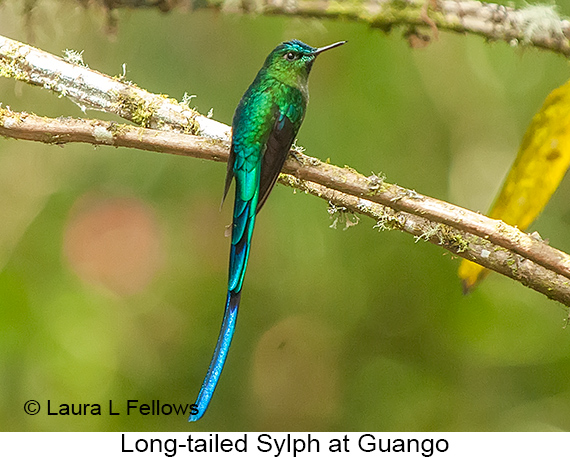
(540, 166)
(339, 329)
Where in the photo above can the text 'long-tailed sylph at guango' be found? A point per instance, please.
(264, 127)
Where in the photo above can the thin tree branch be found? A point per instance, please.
(401, 199)
(472, 247)
(25, 126)
(531, 26)
(426, 218)
(90, 89)
(167, 117)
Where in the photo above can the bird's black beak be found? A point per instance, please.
(326, 48)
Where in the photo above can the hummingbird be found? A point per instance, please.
(264, 126)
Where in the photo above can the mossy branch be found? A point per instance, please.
(90, 89)
(533, 25)
(167, 126)
(490, 243)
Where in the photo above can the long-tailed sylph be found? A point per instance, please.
(264, 127)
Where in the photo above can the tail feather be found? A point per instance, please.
(241, 212)
(219, 357)
(243, 222)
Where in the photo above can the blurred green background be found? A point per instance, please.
(113, 262)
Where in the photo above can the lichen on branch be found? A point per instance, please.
(349, 191)
(165, 125)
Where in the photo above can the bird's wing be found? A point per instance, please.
(229, 173)
(278, 145)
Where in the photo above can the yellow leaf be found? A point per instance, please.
(542, 161)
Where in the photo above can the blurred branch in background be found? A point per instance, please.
(538, 26)
(534, 25)
(179, 130)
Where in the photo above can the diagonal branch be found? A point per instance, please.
(466, 234)
(90, 89)
(526, 270)
(401, 199)
(489, 242)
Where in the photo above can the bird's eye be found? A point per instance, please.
(290, 56)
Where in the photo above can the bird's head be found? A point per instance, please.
(291, 61)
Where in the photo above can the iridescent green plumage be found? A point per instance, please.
(264, 127)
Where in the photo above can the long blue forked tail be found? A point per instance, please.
(219, 357)
(243, 222)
